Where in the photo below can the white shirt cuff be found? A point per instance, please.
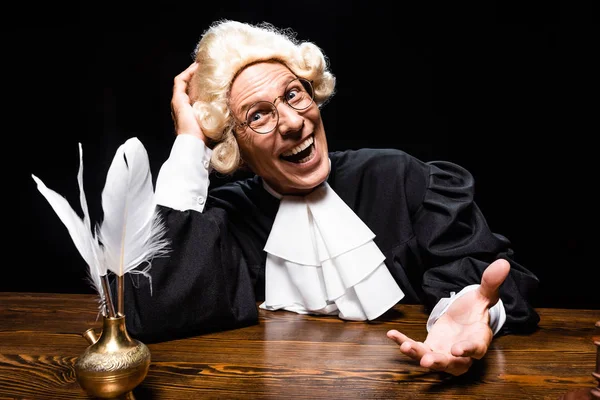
(182, 182)
(497, 312)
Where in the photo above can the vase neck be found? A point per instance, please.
(115, 330)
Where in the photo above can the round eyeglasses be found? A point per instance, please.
(262, 117)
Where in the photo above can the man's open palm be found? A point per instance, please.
(463, 333)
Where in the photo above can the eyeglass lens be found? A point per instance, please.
(263, 117)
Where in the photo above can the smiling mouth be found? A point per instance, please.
(302, 153)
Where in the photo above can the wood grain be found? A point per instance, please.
(293, 356)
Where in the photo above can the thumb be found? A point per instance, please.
(493, 276)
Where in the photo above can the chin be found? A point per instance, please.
(307, 183)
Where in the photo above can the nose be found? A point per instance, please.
(290, 121)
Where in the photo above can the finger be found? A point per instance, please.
(180, 85)
(468, 348)
(184, 77)
(459, 365)
(397, 336)
(408, 346)
(401, 339)
(493, 276)
(415, 350)
(442, 363)
(435, 361)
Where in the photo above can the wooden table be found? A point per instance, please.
(290, 356)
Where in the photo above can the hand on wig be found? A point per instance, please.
(463, 333)
(181, 105)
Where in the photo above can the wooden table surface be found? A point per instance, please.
(291, 356)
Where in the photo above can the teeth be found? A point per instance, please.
(309, 140)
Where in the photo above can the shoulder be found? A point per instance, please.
(374, 158)
(451, 178)
(380, 174)
(385, 162)
(385, 170)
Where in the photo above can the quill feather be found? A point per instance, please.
(131, 232)
(79, 229)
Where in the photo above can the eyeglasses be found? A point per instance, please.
(262, 117)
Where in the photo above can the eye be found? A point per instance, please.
(255, 116)
(259, 111)
(290, 94)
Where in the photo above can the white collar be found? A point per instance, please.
(321, 259)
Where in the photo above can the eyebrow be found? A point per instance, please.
(245, 107)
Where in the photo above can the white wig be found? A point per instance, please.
(223, 51)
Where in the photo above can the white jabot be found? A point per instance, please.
(321, 259)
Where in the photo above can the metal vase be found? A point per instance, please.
(114, 364)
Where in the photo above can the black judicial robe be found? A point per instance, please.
(433, 235)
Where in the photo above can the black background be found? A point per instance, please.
(504, 89)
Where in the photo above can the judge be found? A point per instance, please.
(347, 234)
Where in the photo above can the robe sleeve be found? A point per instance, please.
(458, 245)
(204, 283)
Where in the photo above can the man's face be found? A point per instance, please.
(293, 158)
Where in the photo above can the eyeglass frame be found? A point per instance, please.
(312, 100)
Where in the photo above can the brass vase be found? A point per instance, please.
(114, 364)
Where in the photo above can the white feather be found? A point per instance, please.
(96, 267)
(131, 232)
(79, 229)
